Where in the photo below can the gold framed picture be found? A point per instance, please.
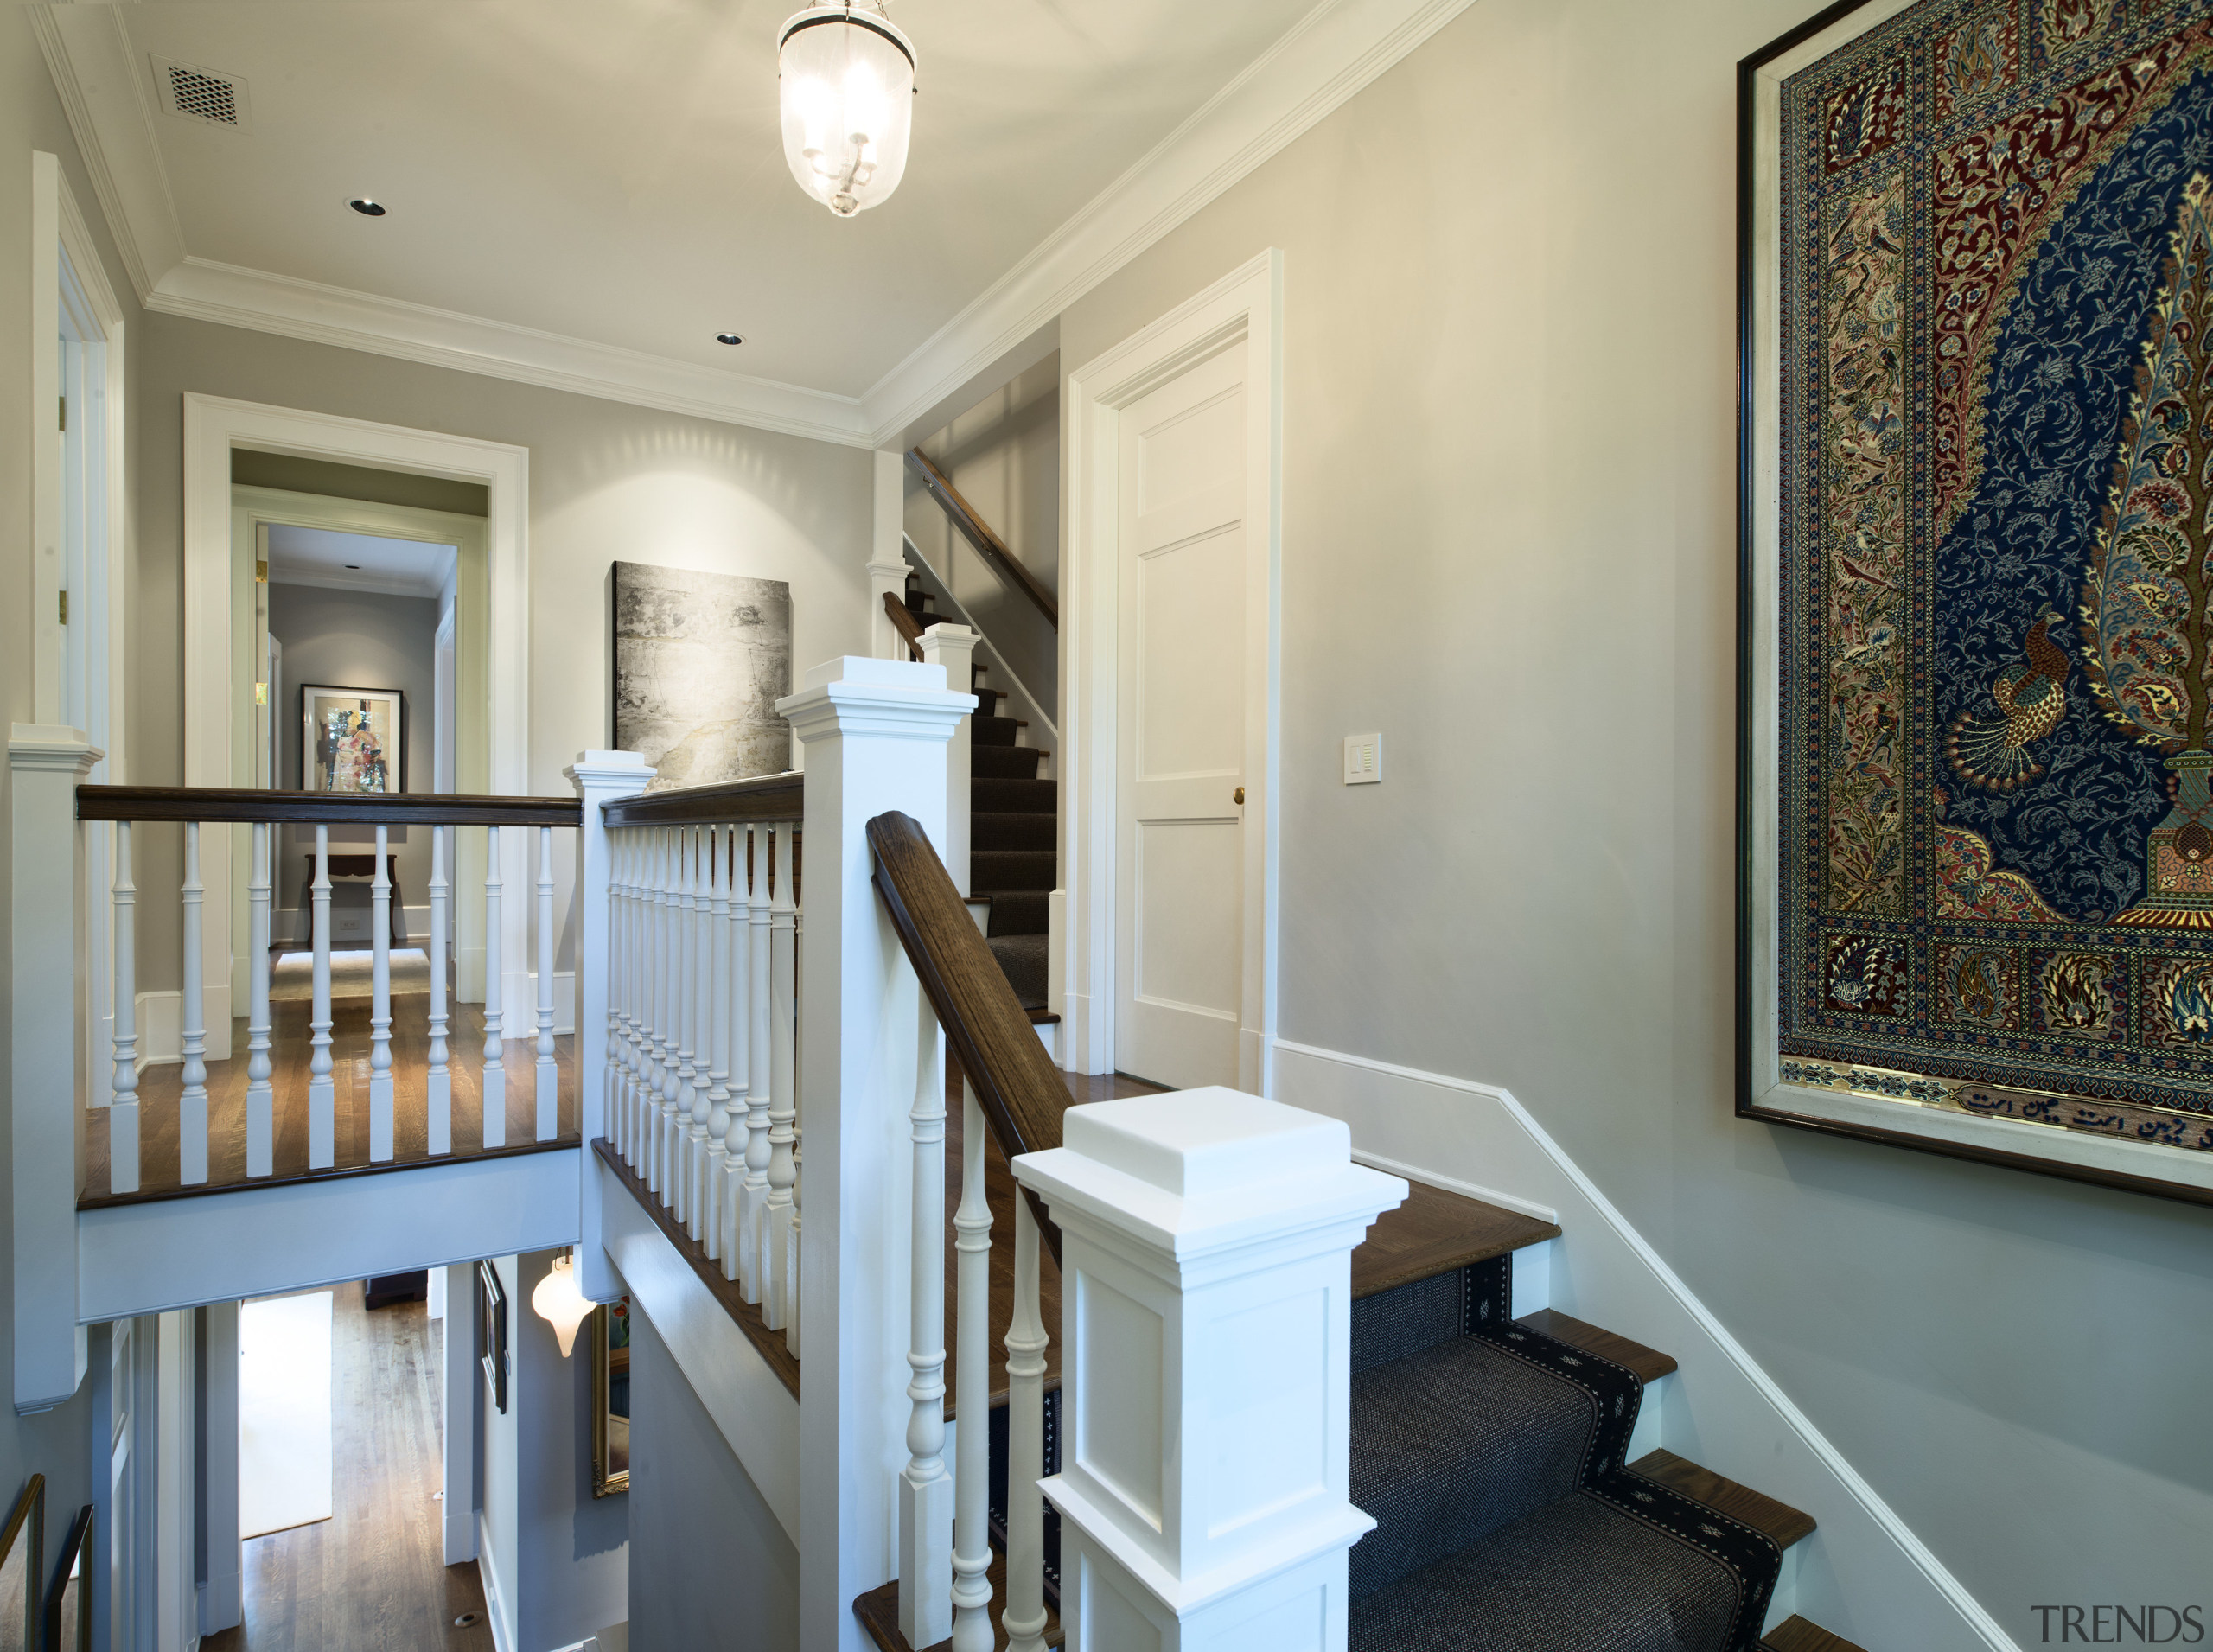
(610, 1398)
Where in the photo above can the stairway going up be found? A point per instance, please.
(1013, 830)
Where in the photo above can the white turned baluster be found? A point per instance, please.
(972, 1545)
(739, 942)
(1025, 1421)
(381, 1106)
(495, 1063)
(777, 1210)
(123, 1104)
(633, 1079)
(656, 911)
(754, 1193)
(673, 1055)
(620, 1052)
(548, 1076)
(699, 993)
(717, 979)
(437, 1088)
(260, 1100)
(925, 1485)
(192, 1096)
(688, 1073)
(323, 1121)
(791, 1252)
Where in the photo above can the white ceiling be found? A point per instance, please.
(318, 555)
(583, 191)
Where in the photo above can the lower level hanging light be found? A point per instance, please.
(847, 94)
(559, 1302)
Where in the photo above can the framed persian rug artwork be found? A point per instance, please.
(1976, 662)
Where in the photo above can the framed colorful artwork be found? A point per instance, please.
(353, 739)
(1975, 818)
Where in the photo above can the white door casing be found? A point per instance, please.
(213, 426)
(1179, 718)
(1236, 322)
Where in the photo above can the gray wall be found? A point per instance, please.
(607, 481)
(1004, 456)
(1509, 543)
(57, 1444)
(356, 639)
(696, 1514)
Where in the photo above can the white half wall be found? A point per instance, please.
(1862, 1574)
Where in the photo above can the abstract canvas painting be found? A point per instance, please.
(1977, 909)
(700, 661)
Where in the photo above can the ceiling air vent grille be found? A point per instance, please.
(202, 95)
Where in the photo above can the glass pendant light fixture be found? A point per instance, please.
(847, 95)
(559, 1302)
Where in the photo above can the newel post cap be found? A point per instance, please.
(853, 693)
(607, 768)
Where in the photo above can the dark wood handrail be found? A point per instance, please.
(1022, 1093)
(904, 622)
(988, 544)
(216, 803)
(764, 799)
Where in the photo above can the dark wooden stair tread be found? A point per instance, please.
(1779, 1521)
(1796, 1634)
(878, 1611)
(1649, 1363)
(1434, 1232)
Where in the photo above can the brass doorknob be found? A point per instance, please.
(1238, 796)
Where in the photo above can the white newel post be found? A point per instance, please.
(46, 1076)
(599, 777)
(1206, 1264)
(954, 647)
(875, 733)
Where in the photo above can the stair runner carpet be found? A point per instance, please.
(1493, 1459)
(1506, 1519)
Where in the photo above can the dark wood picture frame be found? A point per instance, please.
(492, 1332)
(22, 1544)
(75, 1567)
(1751, 386)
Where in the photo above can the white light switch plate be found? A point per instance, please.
(1363, 759)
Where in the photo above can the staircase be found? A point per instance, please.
(1490, 1450)
(1013, 832)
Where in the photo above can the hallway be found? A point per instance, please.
(371, 1577)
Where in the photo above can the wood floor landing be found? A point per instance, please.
(373, 1578)
(290, 1050)
(1796, 1634)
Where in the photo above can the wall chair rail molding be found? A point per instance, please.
(1976, 891)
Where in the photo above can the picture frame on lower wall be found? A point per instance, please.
(492, 1332)
(610, 1398)
(1975, 785)
(23, 1545)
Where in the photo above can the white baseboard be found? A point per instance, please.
(496, 1610)
(1864, 1574)
(161, 1036)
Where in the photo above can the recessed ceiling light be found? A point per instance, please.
(366, 207)
(727, 338)
(354, 567)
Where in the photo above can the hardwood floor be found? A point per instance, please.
(290, 1050)
(371, 1577)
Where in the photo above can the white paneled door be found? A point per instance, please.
(1181, 735)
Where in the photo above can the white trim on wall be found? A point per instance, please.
(1324, 58)
(213, 426)
(1241, 310)
(1866, 1575)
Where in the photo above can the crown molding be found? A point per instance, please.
(1327, 58)
(96, 75)
(205, 290)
